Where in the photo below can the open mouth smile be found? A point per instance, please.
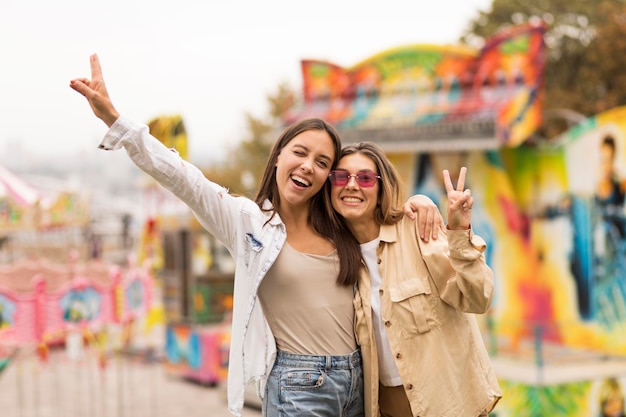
(300, 181)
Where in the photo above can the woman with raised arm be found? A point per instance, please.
(296, 262)
(423, 353)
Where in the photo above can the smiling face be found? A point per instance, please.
(354, 202)
(302, 167)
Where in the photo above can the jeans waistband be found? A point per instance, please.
(350, 361)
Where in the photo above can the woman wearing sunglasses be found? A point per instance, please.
(296, 262)
(423, 354)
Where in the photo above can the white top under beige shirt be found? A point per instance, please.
(387, 370)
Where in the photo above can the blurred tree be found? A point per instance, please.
(586, 57)
(243, 167)
(604, 76)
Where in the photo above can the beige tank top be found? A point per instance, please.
(307, 311)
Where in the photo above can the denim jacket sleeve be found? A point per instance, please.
(212, 205)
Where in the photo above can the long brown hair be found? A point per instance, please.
(322, 216)
(390, 196)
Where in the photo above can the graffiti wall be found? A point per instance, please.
(554, 219)
(554, 216)
(426, 84)
(552, 213)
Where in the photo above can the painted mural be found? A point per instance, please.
(421, 84)
(552, 213)
(555, 213)
(554, 218)
(200, 354)
(41, 302)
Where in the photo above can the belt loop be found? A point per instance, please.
(329, 363)
(355, 358)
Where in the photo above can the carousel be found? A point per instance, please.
(60, 302)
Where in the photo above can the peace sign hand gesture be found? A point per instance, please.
(460, 201)
(96, 93)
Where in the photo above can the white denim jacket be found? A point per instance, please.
(238, 223)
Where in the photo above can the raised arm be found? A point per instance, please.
(216, 210)
(457, 263)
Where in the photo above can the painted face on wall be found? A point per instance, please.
(607, 161)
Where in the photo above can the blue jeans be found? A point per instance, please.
(315, 386)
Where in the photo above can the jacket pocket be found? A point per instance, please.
(413, 306)
(361, 332)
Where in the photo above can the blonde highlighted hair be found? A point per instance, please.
(390, 195)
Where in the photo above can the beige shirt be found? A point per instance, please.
(308, 312)
(428, 293)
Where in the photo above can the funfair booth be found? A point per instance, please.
(195, 273)
(556, 328)
(37, 221)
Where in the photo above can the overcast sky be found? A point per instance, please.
(210, 61)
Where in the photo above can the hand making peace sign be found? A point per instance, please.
(460, 201)
(96, 93)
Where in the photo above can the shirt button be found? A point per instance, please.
(409, 386)
(380, 261)
(381, 291)
(387, 323)
(398, 355)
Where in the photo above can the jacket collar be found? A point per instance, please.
(388, 233)
(275, 220)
